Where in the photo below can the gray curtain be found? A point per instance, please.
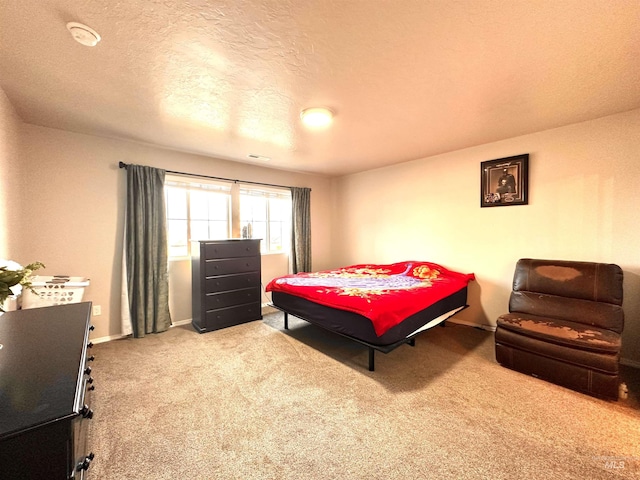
(301, 230)
(146, 251)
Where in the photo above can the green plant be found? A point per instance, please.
(13, 278)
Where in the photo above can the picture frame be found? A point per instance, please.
(505, 181)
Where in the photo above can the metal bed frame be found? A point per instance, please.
(410, 340)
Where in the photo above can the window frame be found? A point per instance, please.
(235, 191)
(215, 187)
(268, 193)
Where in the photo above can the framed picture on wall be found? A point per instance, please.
(505, 181)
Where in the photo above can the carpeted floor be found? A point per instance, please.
(256, 402)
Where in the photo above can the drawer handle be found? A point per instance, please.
(84, 465)
(87, 412)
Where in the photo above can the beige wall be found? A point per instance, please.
(62, 198)
(9, 165)
(72, 211)
(584, 203)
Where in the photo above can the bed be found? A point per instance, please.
(381, 306)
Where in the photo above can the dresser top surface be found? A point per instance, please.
(40, 361)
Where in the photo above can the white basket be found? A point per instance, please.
(56, 290)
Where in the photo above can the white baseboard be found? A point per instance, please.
(266, 309)
(181, 322)
(489, 328)
(108, 338)
(118, 337)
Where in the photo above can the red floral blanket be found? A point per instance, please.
(386, 294)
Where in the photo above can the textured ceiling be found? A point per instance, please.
(406, 78)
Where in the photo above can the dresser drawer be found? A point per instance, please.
(227, 317)
(231, 265)
(43, 433)
(82, 457)
(231, 249)
(231, 282)
(228, 299)
(225, 280)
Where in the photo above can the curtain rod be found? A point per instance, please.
(125, 165)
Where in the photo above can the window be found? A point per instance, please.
(195, 211)
(202, 210)
(266, 214)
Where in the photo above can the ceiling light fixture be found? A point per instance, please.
(83, 34)
(317, 117)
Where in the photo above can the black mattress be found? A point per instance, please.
(360, 327)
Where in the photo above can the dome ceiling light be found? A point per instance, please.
(317, 117)
(83, 34)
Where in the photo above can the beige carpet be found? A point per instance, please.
(256, 402)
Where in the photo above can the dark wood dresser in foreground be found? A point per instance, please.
(226, 283)
(44, 392)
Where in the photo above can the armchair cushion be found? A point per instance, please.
(583, 292)
(562, 332)
(598, 282)
(594, 314)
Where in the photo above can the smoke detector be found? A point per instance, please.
(83, 34)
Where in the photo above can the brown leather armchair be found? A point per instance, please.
(564, 324)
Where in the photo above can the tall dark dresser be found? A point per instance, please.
(226, 283)
(44, 393)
